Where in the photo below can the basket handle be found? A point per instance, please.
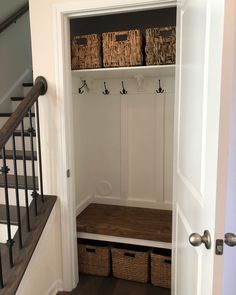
(167, 261)
(165, 33)
(81, 41)
(122, 37)
(90, 250)
(129, 254)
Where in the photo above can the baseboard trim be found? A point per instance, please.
(55, 288)
(121, 202)
(82, 205)
(131, 202)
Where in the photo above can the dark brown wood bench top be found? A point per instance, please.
(126, 222)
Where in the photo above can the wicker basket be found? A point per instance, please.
(161, 268)
(94, 260)
(122, 49)
(130, 265)
(86, 52)
(160, 46)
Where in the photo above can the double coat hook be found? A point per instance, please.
(106, 91)
(123, 91)
(160, 89)
(84, 85)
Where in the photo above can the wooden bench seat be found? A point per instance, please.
(126, 222)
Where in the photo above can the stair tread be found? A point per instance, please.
(26, 134)
(19, 155)
(30, 84)
(5, 115)
(17, 98)
(21, 181)
(13, 214)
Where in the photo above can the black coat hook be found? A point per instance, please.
(123, 91)
(160, 89)
(84, 85)
(106, 91)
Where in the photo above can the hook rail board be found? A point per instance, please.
(126, 72)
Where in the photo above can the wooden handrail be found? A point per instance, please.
(39, 88)
(12, 19)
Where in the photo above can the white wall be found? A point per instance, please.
(15, 59)
(124, 143)
(43, 275)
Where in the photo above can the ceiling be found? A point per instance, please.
(7, 8)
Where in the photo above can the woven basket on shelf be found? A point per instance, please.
(161, 270)
(160, 46)
(122, 49)
(94, 260)
(130, 265)
(86, 52)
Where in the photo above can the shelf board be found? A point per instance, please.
(122, 240)
(126, 72)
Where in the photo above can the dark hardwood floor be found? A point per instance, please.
(92, 285)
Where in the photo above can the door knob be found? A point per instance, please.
(230, 239)
(196, 240)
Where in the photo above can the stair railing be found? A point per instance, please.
(8, 132)
(13, 18)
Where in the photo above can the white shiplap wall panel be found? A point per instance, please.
(124, 143)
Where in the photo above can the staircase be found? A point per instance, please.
(15, 101)
(24, 209)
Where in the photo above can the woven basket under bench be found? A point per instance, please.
(122, 49)
(132, 265)
(161, 268)
(94, 258)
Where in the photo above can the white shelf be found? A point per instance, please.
(131, 241)
(126, 72)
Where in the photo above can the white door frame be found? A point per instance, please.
(61, 15)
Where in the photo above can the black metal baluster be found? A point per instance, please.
(34, 194)
(1, 276)
(25, 174)
(17, 190)
(4, 170)
(39, 155)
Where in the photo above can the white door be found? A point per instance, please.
(200, 25)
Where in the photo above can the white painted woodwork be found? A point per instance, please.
(123, 240)
(126, 72)
(18, 141)
(123, 143)
(197, 119)
(12, 197)
(20, 169)
(3, 232)
(26, 122)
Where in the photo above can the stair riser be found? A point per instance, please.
(12, 197)
(16, 103)
(19, 143)
(26, 90)
(20, 169)
(3, 120)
